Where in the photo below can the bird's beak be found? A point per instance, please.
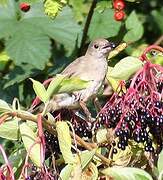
(110, 46)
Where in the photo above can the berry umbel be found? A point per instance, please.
(137, 114)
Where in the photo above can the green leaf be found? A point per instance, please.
(114, 82)
(100, 27)
(160, 162)
(64, 29)
(86, 157)
(19, 74)
(7, 18)
(79, 8)
(125, 68)
(64, 139)
(4, 59)
(127, 173)
(66, 172)
(17, 159)
(29, 139)
(29, 45)
(134, 27)
(9, 129)
(4, 107)
(72, 84)
(54, 85)
(39, 90)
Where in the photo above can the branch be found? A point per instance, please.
(159, 40)
(50, 127)
(86, 26)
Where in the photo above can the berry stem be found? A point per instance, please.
(50, 127)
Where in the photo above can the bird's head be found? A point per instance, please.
(100, 48)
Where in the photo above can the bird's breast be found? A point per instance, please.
(95, 71)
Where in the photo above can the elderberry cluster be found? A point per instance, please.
(137, 114)
(36, 174)
(52, 145)
(82, 128)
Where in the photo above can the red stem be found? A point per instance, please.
(11, 173)
(41, 136)
(143, 57)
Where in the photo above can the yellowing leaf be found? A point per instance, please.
(160, 162)
(86, 157)
(126, 173)
(29, 139)
(4, 107)
(113, 81)
(125, 68)
(9, 129)
(39, 90)
(64, 139)
(66, 172)
(90, 173)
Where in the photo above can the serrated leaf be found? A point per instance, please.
(29, 45)
(72, 84)
(4, 107)
(54, 85)
(63, 28)
(127, 173)
(66, 172)
(64, 139)
(100, 27)
(39, 90)
(160, 162)
(7, 18)
(9, 129)
(125, 68)
(29, 139)
(86, 157)
(133, 33)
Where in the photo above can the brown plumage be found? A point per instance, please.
(90, 67)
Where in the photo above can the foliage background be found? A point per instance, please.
(41, 42)
(35, 45)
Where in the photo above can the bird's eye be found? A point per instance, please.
(96, 46)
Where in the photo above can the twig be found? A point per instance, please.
(50, 127)
(86, 27)
(159, 40)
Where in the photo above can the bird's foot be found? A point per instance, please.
(86, 111)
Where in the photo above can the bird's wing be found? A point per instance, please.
(75, 68)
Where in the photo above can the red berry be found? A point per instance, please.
(24, 7)
(119, 15)
(119, 4)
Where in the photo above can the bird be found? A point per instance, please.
(90, 67)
